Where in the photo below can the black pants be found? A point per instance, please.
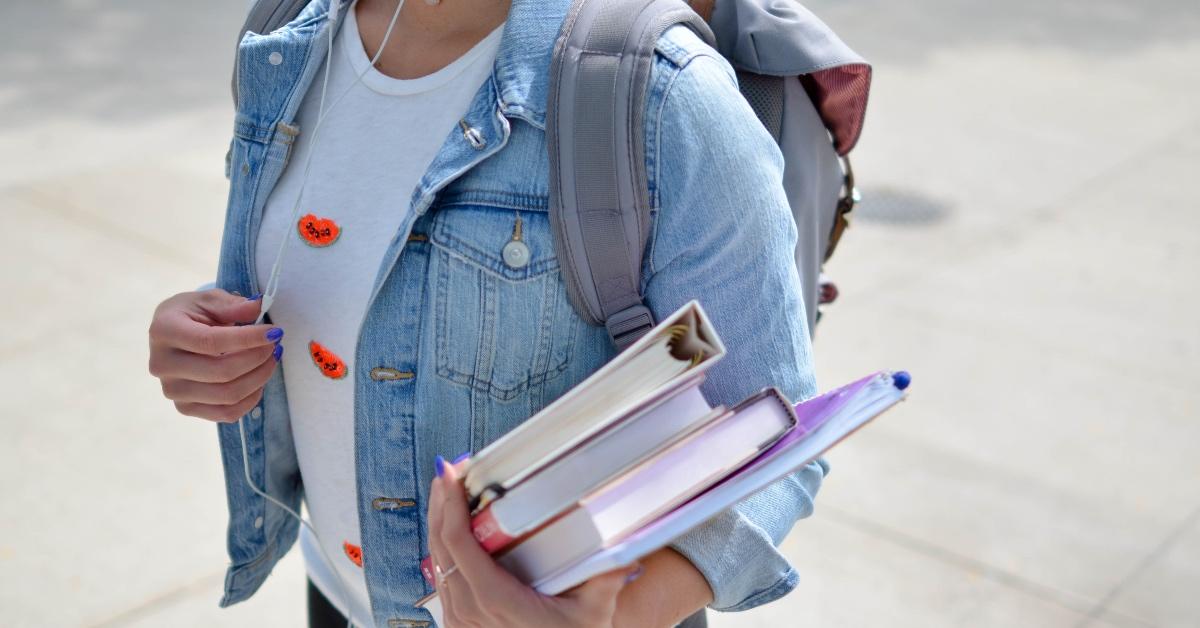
(322, 614)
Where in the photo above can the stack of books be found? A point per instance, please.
(634, 457)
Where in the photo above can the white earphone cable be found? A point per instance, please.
(273, 282)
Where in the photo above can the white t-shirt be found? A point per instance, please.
(374, 147)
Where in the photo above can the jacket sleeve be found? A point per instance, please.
(723, 233)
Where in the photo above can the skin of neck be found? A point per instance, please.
(427, 37)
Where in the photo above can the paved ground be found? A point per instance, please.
(1030, 253)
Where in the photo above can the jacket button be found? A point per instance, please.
(472, 135)
(275, 58)
(516, 254)
(258, 522)
(256, 413)
(384, 374)
(391, 503)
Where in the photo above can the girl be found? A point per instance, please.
(398, 168)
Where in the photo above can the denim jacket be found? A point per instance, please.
(457, 347)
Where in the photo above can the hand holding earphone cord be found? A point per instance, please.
(273, 282)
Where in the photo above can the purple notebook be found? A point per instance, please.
(823, 421)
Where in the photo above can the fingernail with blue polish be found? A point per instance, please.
(278, 352)
(462, 457)
(439, 465)
(637, 573)
(255, 297)
(274, 334)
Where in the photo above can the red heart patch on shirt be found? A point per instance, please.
(353, 552)
(318, 232)
(331, 366)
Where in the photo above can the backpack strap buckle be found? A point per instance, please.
(841, 219)
(631, 323)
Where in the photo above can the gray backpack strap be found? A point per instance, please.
(264, 17)
(599, 197)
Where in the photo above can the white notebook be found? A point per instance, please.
(668, 357)
(561, 484)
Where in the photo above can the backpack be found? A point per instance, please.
(805, 85)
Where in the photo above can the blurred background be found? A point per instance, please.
(1028, 248)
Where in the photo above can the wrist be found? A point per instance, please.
(669, 590)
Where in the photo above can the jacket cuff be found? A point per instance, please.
(737, 550)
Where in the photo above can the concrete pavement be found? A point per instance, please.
(1029, 250)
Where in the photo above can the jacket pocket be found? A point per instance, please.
(503, 325)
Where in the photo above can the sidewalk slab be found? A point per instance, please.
(80, 277)
(1165, 592)
(280, 602)
(1050, 432)
(120, 498)
(171, 213)
(849, 578)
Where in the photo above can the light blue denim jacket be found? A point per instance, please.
(457, 347)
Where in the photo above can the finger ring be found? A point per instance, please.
(443, 575)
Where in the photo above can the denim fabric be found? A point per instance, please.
(488, 344)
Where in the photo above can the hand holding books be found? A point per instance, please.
(631, 459)
(474, 590)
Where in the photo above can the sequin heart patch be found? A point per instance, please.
(353, 552)
(331, 366)
(318, 232)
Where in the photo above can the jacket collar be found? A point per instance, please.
(522, 69)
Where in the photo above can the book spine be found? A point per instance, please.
(488, 532)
